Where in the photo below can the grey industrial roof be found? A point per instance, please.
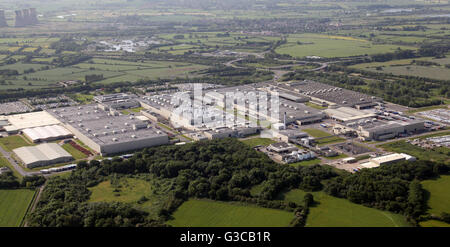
(103, 127)
(42, 152)
(329, 93)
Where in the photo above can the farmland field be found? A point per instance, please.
(301, 45)
(112, 71)
(336, 212)
(13, 206)
(203, 213)
(439, 190)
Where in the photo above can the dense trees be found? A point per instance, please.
(220, 170)
(9, 181)
(393, 187)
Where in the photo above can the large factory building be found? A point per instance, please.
(108, 133)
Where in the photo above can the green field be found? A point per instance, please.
(13, 206)
(301, 45)
(327, 137)
(132, 190)
(306, 163)
(439, 190)
(433, 223)
(12, 142)
(112, 70)
(258, 141)
(336, 212)
(128, 190)
(203, 213)
(316, 133)
(77, 154)
(407, 67)
(437, 154)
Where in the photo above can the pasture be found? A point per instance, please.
(13, 206)
(336, 212)
(205, 213)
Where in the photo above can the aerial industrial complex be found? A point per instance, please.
(279, 109)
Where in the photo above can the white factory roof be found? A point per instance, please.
(46, 132)
(369, 164)
(388, 158)
(347, 114)
(30, 120)
(42, 152)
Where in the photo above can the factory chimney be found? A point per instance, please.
(284, 120)
(3, 22)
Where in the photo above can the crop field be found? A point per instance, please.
(437, 154)
(12, 142)
(439, 190)
(336, 212)
(205, 213)
(200, 40)
(13, 206)
(301, 45)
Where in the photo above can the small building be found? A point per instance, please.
(5, 170)
(388, 159)
(290, 134)
(282, 147)
(46, 133)
(349, 160)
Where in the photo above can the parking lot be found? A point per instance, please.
(13, 107)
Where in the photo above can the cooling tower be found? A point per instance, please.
(20, 22)
(3, 19)
(33, 16)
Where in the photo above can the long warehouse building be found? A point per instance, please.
(106, 132)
